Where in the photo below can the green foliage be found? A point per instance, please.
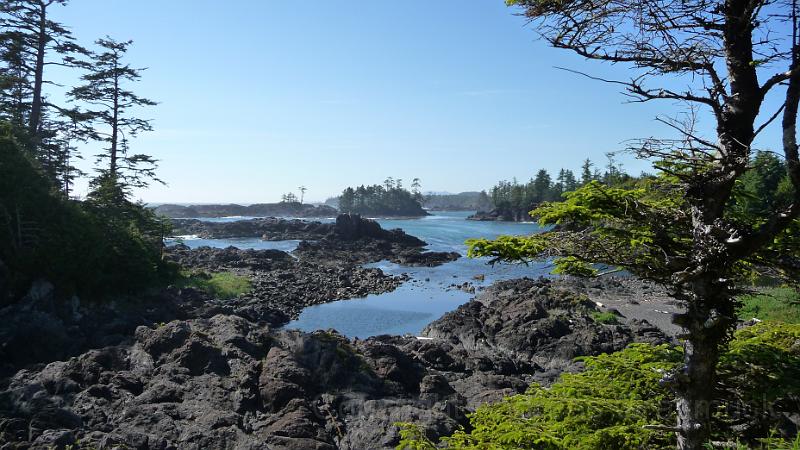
(391, 199)
(222, 285)
(762, 364)
(608, 318)
(608, 404)
(776, 304)
(644, 228)
(574, 266)
(619, 227)
(464, 201)
(91, 248)
(761, 189)
(516, 198)
(412, 437)
(112, 102)
(605, 406)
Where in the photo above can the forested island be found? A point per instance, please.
(649, 311)
(387, 200)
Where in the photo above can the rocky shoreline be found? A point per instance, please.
(255, 210)
(181, 369)
(503, 215)
(228, 381)
(351, 239)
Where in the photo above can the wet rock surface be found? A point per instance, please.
(282, 285)
(231, 381)
(350, 240)
(268, 229)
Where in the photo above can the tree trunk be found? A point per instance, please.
(36, 104)
(696, 391)
(114, 127)
(708, 319)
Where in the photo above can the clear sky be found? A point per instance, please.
(258, 97)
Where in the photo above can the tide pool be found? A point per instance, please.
(430, 292)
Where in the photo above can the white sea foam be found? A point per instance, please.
(186, 237)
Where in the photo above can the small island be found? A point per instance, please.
(387, 200)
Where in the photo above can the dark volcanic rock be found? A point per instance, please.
(351, 227)
(352, 240)
(281, 284)
(229, 382)
(223, 383)
(268, 229)
(210, 258)
(42, 327)
(534, 327)
(356, 240)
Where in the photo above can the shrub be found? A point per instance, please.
(85, 248)
(608, 318)
(608, 404)
(222, 285)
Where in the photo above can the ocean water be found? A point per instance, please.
(256, 243)
(430, 292)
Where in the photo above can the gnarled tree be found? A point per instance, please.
(111, 108)
(682, 230)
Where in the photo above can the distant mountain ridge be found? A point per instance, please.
(293, 209)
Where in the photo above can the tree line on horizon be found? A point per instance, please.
(522, 197)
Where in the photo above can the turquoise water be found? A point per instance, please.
(427, 295)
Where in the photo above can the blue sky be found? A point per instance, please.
(258, 97)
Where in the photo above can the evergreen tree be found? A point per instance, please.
(542, 185)
(613, 173)
(15, 83)
(29, 38)
(681, 230)
(110, 108)
(586, 172)
(416, 189)
(347, 200)
(388, 199)
(569, 181)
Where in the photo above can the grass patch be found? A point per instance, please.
(223, 285)
(607, 318)
(775, 304)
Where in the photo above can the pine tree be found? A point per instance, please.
(681, 230)
(586, 172)
(29, 38)
(542, 185)
(110, 110)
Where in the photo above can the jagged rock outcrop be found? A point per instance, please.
(227, 381)
(268, 229)
(352, 239)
